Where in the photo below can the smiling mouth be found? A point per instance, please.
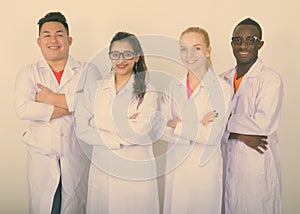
(243, 53)
(54, 47)
(190, 61)
(121, 66)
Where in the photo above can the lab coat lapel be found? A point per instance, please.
(71, 68)
(46, 76)
(180, 94)
(253, 72)
(228, 77)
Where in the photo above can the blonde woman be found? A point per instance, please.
(196, 107)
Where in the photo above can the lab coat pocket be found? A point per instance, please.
(250, 163)
(38, 137)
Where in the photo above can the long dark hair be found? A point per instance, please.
(140, 68)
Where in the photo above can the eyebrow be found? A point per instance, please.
(58, 31)
(197, 45)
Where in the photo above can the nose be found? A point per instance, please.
(244, 44)
(53, 39)
(190, 52)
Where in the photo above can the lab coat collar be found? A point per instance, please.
(109, 82)
(207, 81)
(255, 69)
(70, 69)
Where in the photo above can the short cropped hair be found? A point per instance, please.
(249, 21)
(54, 17)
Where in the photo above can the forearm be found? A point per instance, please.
(59, 112)
(58, 100)
(242, 137)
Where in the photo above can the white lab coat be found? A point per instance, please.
(195, 185)
(53, 149)
(253, 183)
(122, 174)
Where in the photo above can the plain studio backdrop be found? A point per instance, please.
(92, 25)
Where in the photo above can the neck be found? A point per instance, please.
(57, 65)
(194, 81)
(242, 69)
(120, 80)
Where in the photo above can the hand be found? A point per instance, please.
(134, 116)
(173, 122)
(209, 117)
(256, 142)
(44, 95)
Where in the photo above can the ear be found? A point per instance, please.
(261, 43)
(208, 54)
(70, 40)
(38, 41)
(137, 58)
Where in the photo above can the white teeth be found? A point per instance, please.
(191, 61)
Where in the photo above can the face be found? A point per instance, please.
(245, 53)
(193, 50)
(54, 42)
(122, 51)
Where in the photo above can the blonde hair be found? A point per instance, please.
(200, 31)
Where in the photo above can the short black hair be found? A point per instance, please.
(54, 17)
(249, 21)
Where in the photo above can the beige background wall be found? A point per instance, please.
(93, 23)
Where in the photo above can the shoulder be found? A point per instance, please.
(32, 68)
(227, 74)
(270, 72)
(269, 75)
(224, 84)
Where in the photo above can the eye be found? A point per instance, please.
(114, 55)
(250, 39)
(182, 49)
(197, 48)
(238, 40)
(128, 54)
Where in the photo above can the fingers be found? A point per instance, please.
(40, 86)
(134, 116)
(261, 146)
(258, 150)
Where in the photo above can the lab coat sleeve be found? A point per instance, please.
(89, 74)
(24, 98)
(194, 132)
(264, 120)
(85, 127)
(147, 109)
(165, 110)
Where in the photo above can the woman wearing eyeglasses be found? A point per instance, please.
(116, 119)
(196, 107)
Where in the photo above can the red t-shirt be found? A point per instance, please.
(58, 75)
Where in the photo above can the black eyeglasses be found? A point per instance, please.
(115, 55)
(250, 40)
